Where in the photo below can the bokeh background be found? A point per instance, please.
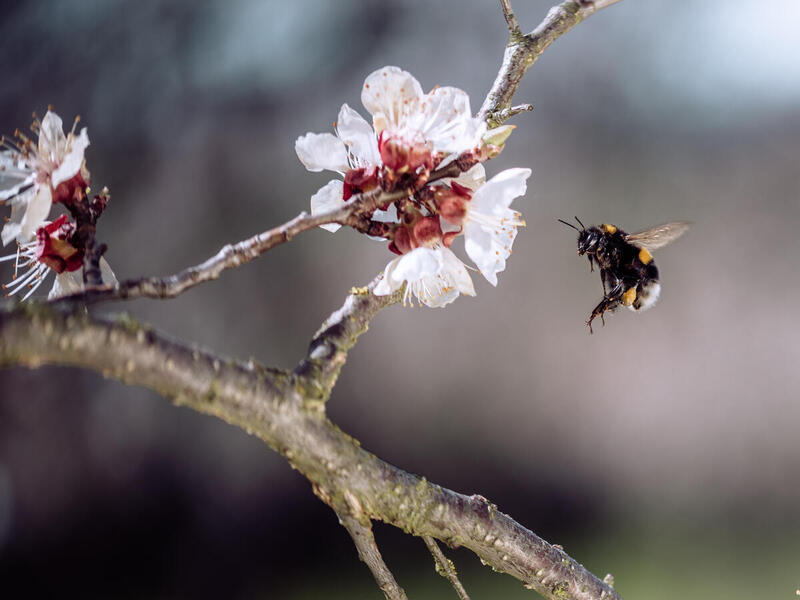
(664, 449)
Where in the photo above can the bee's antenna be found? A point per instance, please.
(568, 224)
(579, 222)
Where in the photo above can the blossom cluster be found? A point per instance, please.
(33, 177)
(415, 174)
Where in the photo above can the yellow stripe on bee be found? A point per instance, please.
(609, 228)
(645, 256)
(629, 296)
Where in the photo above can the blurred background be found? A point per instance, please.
(665, 448)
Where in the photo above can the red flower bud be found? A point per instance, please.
(402, 156)
(402, 241)
(427, 232)
(451, 202)
(359, 180)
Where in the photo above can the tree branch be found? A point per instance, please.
(444, 567)
(272, 404)
(318, 371)
(524, 49)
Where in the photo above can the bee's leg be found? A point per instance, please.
(605, 305)
(609, 302)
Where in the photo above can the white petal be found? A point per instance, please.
(14, 174)
(458, 271)
(474, 178)
(329, 197)
(491, 226)
(10, 231)
(106, 273)
(29, 211)
(388, 284)
(489, 249)
(66, 283)
(419, 263)
(318, 151)
(445, 120)
(72, 161)
(389, 94)
(498, 193)
(52, 140)
(36, 213)
(358, 136)
(19, 205)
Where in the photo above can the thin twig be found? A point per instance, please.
(235, 255)
(445, 567)
(511, 19)
(505, 114)
(523, 50)
(368, 552)
(228, 257)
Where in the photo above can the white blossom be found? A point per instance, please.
(354, 146)
(442, 118)
(435, 276)
(440, 121)
(29, 175)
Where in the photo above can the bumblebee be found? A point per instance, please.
(625, 260)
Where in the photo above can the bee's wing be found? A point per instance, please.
(658, 236)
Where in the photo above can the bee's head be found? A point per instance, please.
(587, 238)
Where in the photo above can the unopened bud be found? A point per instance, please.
(451, 202)
(427, 232)
(402, 241)
(357, 181)
(498, 135)
(402, 156)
